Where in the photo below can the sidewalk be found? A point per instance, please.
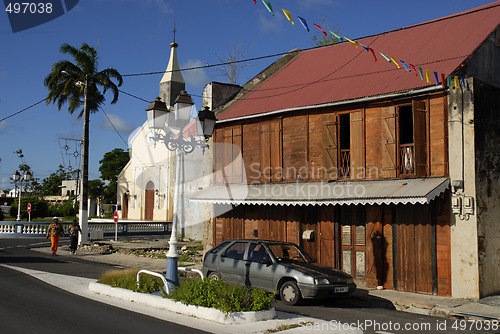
(485, 309)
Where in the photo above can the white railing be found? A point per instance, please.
(164, 280)
(198, 271)
(31, 229)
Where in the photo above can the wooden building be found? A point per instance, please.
(369, 167)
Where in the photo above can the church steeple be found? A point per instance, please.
(172, 82)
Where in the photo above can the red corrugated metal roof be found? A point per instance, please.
(342, 72)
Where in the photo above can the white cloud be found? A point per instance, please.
(115, 122)
(268, 23)
(195, 78)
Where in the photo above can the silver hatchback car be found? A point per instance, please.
(276, 266)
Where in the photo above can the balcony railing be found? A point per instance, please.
(407, 159)
(345, 163)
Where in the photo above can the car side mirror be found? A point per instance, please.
(267, 262)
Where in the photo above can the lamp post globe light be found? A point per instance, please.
(16, 177)
(165, 125)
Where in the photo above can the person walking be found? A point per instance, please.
(55, 231)
(73, 234)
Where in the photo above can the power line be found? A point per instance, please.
(20, 111)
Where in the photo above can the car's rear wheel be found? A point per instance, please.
(290, 293)
(215, 276)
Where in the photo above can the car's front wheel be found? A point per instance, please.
(215, 276)
(290, 293)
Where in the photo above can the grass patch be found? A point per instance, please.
(127, 279)
(222, 296)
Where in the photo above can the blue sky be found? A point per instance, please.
(133, 36)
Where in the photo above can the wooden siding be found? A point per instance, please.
(389, 142)
(438, 137)
(373, 143)
(316, 170)
(295, 148)
(251, 152)
(357, 149)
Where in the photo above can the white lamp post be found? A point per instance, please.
(17, 177)
(205, 125)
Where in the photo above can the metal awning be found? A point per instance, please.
(365, 192)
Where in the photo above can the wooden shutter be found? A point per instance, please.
(219, 155)
(228, 155)
(271, 157)
(330, 146)
(419, 137)
(389, 151)
(357, 145)
(237, 155)
(251, 152)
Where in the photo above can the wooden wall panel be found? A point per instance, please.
(357, 145)
(218, 156)
(309, 221)
(327, 235)
(373, 142)
(330, 146)
(251, 222)
(295, 148)
(277, 223)
(443, 245)
(251, 152)
(271, 151)
(389, 142)
(293, 224)
(438, 137)
(388, 249)
(316, 171)
(423, 249)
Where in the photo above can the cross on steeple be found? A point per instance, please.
(174, 31)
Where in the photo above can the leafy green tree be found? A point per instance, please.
(51, 185)
(319, 39)
(39, 207)
(33, 185)
(69, 88)
(111, 165)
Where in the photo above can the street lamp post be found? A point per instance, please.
(17, 177)
(158, 115)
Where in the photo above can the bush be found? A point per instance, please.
(39, 207)
(66, 209)
(222, 296)
(127, 279)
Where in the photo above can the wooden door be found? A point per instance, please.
(414, 249)
(327, 236)
(149, 201)
(353, 240)
(125, 206)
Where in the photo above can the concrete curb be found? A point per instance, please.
(178, 307)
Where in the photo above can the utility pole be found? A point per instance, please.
(84, 189)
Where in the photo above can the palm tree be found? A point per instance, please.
(68, 83)
(65, 81)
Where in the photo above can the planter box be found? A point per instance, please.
(178, 307)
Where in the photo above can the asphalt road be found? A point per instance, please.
(14, 285)
(28, 305)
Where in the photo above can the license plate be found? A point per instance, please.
(341, 289)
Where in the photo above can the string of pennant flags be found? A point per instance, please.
(425, 74)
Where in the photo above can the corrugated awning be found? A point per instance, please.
(400, 191)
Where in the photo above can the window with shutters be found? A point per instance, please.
(345, 145)
(411, 139)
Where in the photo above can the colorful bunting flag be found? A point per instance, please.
(304, 23)
(436, 77)
(364, 46)
(255, 1)
(337, 36)
(395, 62)
(268, 6)
(421, 72)
(405, 66)
(373, 53)
(317, 26)
(463, 81)
(386, 58)
(428, 76)
(443, 80)
(287, 14)
(448, 81)
(414, 69)
(353, 42)
(457, 84)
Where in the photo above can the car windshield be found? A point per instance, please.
(289, 253)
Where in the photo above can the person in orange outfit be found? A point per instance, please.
(55, 231)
